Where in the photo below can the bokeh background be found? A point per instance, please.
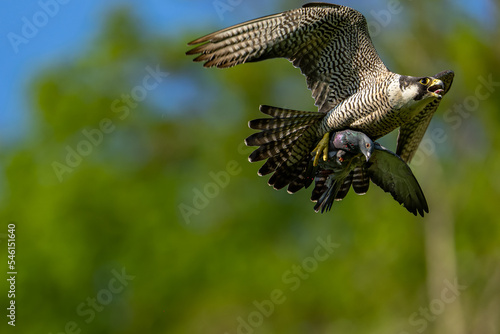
(137, 211)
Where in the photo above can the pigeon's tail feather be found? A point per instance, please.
(330, 186)
(286, 141)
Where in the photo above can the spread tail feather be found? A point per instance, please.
(286, 141)
(360, 180)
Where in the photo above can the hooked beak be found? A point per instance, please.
(436, 88)
(368, 154)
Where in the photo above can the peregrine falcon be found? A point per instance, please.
(352, 150)
(350, 84)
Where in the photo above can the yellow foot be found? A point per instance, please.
(322, 147)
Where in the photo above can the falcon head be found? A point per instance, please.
(409, 95)
(431, 87)
(421, 88)
(353, 142)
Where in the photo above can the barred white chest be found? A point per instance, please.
(376, 111)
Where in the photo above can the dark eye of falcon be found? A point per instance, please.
(425, 81)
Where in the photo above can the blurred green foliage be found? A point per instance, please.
(122, 204)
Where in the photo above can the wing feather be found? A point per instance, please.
(392, 174)
(329, 43)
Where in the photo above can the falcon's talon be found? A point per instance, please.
(322, 147)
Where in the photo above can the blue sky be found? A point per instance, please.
(63, 28)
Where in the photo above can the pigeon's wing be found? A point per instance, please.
(411, 134)
(392, 174)
(329, 43)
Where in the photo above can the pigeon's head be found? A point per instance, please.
(365, 145)
(353, 142)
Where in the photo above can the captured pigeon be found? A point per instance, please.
(354, 159)
(350, 84)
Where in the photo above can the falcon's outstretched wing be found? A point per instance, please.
(329, 43)
(411, 134)
(392, 174)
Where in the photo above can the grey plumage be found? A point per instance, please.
(351, 161)
(349, 82)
